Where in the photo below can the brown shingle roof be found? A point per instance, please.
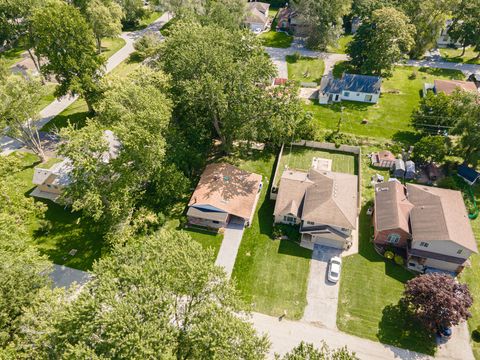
(440, 214)
(392, 208)
(227, 188)
(383, 158)
(321, 196)
(449, 86)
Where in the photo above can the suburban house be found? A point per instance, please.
(323, 203)
(449, 86)
(363, 88)
(257, 16)
(428, 225)
(470, 175)
(288, 20)
(443, 39)
(52, 181)
(383, 159)
(224, 194)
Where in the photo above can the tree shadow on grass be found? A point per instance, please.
(293, 248)
(67, 231)
(454, 74)
(78, 119)
(399, 328)
(406, 137)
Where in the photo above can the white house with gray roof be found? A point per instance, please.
(363, 88)
(257, 16)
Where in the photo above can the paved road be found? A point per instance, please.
(229, 248)
(8, 145)
(322, 295)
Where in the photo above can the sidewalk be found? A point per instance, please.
(228, 250)
(8, 145)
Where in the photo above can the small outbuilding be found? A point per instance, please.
(383, 159)
(470, 175)
(398, 168)
(410, 170)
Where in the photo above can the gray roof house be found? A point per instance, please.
(362, 88)
(257, 16)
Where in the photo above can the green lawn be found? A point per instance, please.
(208, 239)
(276, 39)
(111, 45)
(370, 289)
(65, 230)
(341, 46)
(453, 55)
(390, 118)
(305, 69)
(271, 274)
(13, 55)
(145, 21)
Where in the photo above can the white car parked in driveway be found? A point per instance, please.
(334, 266)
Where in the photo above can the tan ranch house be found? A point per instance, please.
(429, 225)
(323, 203)
(224, 194)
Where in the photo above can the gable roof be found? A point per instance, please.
(352, 82)
(392, 208)
(449, 86)
(257, 12)
(468, 173)
(257, 5)
(324, 197)
(227, 188)
(440, 214)
(57, 174)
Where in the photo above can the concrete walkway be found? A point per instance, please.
(64, 276)
(229, 248)
(8, 145)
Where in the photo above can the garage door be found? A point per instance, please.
(337, 244)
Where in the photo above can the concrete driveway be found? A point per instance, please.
(322, 295)
(230, 244)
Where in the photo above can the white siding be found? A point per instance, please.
(359, 96)
(443, 247)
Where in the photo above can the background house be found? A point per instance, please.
(224, 193)
(443, 39)
(52, 181)
(449, 86)
(440, 236)
(257, 16)
(323, 203)
(363, 88)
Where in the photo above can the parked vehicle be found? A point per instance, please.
(444, 332)
(334, 267)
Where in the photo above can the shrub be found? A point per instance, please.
(277, 232)
(413, 75)
(389, 255)
(476, 334)
(339, 138)
(398, 260)
(296, 56)
(448, 183)
(147, 45)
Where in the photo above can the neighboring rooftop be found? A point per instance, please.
(257, 12)
(449, 86)
(227, 188)
(352, 82)
(394, 207)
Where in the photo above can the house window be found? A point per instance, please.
(216, 222)
(289, 219)
(310, 223)
(459, 251)
(393, 238)
(368, 97)
(358, 94)
(346, 94)
(424, 244)
(49, 186)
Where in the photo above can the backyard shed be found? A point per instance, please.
(409, 170)
(398, 168)
(468, 174)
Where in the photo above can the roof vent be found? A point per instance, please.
(226, 178)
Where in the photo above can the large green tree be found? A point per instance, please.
(63, 36)
(22, 269)
(381, 42)
(133, 10)
(322, 20)
(219, 81)
(431, 149)
(159, 296)
(436, 113)
(429, 17)
(19, 99)
(109, 184)
(465, 28)
(105, 18)
(364, 8)
(306, 351)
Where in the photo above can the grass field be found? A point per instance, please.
(305, 69)
(270, 274)
(276, 39)
(370, 288)
(341, 46)
(390, 118)
(453, 55)
(208, 239)
(111, 45)
(65, 230)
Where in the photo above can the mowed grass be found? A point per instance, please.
(208, 239)
(390, 117)
(471, 276)
(370, 288)
(305, 69)
(453, 55)
(276, 39)
(341, 46)
(64, 230)
(111, 45)
(270, 274)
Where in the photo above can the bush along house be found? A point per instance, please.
(428, 226)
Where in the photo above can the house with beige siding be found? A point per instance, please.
(429, 224)
(224, 194)
(323, 204)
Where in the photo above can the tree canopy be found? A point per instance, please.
(63, 36)
(431, 149)
(465, 27)
(306, 351)
(105, 18)
(156, 296)
(381, 41)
